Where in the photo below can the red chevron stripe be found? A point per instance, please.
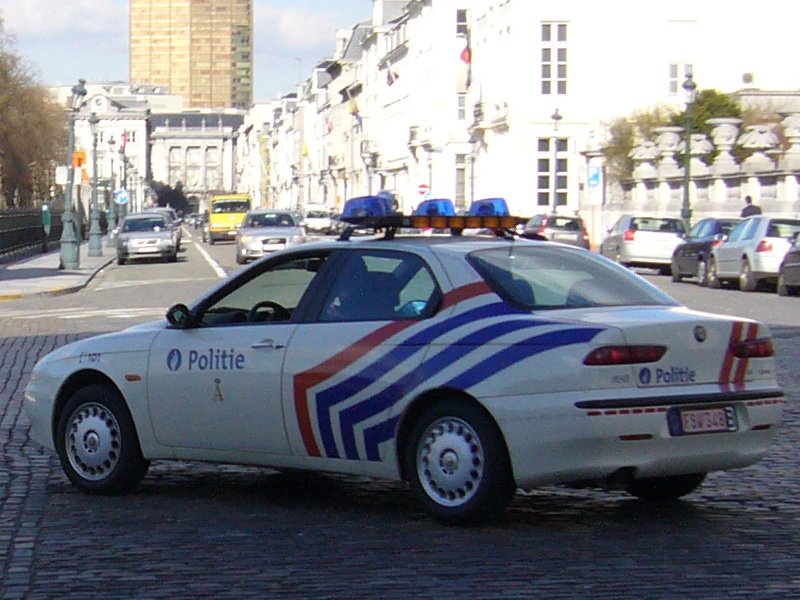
(727, 364)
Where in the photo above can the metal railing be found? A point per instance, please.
(22, 233)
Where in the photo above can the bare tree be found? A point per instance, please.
(32, 128)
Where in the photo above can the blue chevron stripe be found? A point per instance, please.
(372, 406)
(340, 392)
(492, 365)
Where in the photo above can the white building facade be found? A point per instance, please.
(512, 98)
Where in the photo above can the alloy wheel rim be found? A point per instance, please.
(450, 462)
(93, 441)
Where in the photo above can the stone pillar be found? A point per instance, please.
(791, 128)
(758, 138)
(724, 136)
(669, 143)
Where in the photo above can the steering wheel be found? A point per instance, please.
(279, 313)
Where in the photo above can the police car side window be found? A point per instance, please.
(270, 296)
(380, 286)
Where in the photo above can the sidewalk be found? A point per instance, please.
(39, 275)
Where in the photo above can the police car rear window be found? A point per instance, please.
(546, 278)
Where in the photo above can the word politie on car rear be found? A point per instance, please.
(213, 359)
(671, 375)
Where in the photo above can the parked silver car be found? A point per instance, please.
(643, 241)
(753, 252)
(559, 228)
(264, 230)
(146, 235)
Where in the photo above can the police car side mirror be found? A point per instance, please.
(179, 316)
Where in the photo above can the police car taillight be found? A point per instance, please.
(758, 348)
(624, 355)
(629, 235)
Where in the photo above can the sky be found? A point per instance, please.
(66, 40)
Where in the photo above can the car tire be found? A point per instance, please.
(120, 260)
(240, 259)
(786, 290)
(210, 240)
(676, 274)
(702, 272)
(713, 279)
(97, 443)
(665, 489)
(747, 283)
(457, 463)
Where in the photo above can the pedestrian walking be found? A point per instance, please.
(750, 209)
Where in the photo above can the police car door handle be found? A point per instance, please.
(268, 343)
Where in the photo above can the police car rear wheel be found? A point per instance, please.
(665, 489)
(457, 463)
(97, 442)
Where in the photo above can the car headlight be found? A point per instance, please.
(244, 239)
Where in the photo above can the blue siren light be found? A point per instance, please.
(438, 207)
(489, 207)
(367, 206)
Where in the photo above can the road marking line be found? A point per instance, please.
(214, 264)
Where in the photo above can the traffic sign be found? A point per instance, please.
(121, 196)
(423, 189)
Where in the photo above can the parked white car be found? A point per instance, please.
(753, 252)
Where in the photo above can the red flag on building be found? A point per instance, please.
(466, 56)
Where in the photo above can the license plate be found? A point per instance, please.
(694, 421)
(146, 249)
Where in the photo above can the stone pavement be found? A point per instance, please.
(39, 274)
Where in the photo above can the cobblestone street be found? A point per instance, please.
(198, 530)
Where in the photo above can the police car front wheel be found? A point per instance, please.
(457, 463)
(97, 442)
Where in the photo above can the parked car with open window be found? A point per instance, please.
(691, 258)
(753, 252)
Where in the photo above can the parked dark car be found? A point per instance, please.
(559, 228)
(789, 271)
(691, 258)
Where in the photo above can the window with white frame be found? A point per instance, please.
(462, 107)
(552, 169)
(461, 181)
(462, 25)
(554, 58)
(677, 75)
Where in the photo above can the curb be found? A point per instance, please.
(62, 291)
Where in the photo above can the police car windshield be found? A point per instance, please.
(547, 278)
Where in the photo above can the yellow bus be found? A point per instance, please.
(225, 215)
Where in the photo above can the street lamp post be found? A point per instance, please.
(690, 87)
(70, 257)
(556, 117)
(123, 176)
(112, 206)
(95, 241)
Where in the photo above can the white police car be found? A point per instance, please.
(467, 366)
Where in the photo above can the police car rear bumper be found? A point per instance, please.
(589, 440)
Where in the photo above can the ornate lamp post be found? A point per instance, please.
(556, 117)
(95, 242)
(70, 257)
(690, 87)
